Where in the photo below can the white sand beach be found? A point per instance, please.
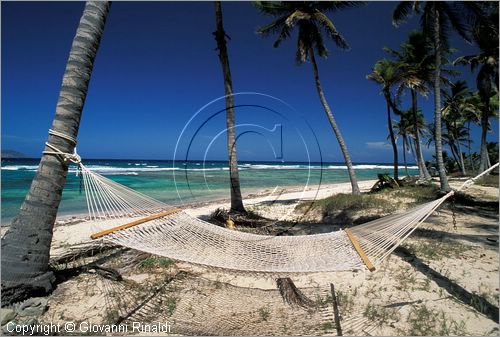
(438, 283)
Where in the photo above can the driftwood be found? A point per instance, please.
(80, 251)
(291, 294)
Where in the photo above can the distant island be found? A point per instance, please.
(8, 154)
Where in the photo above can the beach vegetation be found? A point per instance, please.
(488, 181)
(111, 316)
(424, 321)
(169, 304)
(264, 313)
(310, 20)
(153, 262)
(327, 327)
(346, 301)
(348, 202)
(438, 247)
(380, 315)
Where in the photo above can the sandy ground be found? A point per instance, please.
(444, 281)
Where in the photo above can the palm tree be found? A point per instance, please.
(309, 17)
(26, 245)
(404, 129)
(436, 18)
(485, 36)
(416, 64)
(454, 116)
(220, 37)
(387, 74)
(472, 115)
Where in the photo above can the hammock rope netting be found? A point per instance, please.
(131, 219)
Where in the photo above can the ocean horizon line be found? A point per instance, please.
(224, 161)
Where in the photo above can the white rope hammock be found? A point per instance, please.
(132, 219)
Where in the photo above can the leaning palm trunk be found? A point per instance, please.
(469, 148)
(26, 245)
(444, 186)
(405, 148)
(413, 149)
(460, 154)
(391, 135)
(455, 155)
(484, 161)
(423, 172)
(220, 37)
(461, 158)
(333, 123)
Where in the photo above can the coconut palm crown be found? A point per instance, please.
(387, 73)
(436, 18)
(310, 20)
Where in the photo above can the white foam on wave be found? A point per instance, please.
(20, 167)
(369, 167)
(275, 167)
(136, 169)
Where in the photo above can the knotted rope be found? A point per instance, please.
(73, 157)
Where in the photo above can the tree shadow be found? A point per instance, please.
(473, 238)
(467, 204)
(476, 301)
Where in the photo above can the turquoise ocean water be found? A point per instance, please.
(179, 182)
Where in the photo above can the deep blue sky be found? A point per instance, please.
(157, 66)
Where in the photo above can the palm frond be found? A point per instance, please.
(273, 8)
(273, 27)
(283, 35)
(330, 29)
(456, 20)
(318, 41)
(297, 15)
(303, 46)
(332, 6)
(402, 12)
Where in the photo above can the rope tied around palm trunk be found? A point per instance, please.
(72, 157)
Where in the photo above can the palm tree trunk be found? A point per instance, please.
(405, 147)
(333, 123)
(451, 143)
(420, 154)
(413, 150)
(26, 245)
(391, 134)
(424, 173)
(220, 37)
(484, 162)
(461, 158)
(454, 153)
(469, 141)
(445, 187)
(459, 149)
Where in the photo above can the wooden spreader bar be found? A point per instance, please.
(133, 223)
(359, 250)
